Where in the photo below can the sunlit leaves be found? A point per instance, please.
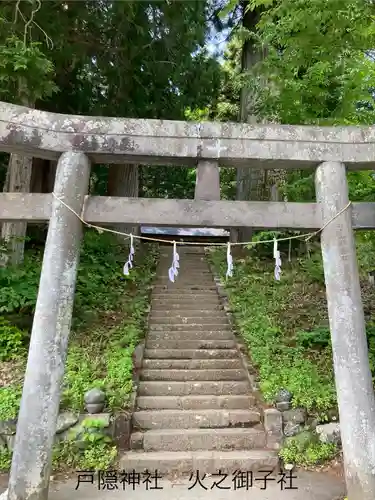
(317, 66)
(25, 72)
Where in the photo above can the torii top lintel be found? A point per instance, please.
(163, 142)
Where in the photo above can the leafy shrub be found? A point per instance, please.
(91, 449)
(107, 364)
(10, 398)
(19, 286)
(265, 250)
(5, 459)
(370, 330)
(82, 373)
(103, 357)
(259, 305)
(320, 336)
(109, 319)
(98, 280)
(306, 449)
(11, 341)
(313, 267)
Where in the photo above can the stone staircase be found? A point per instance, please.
(195, 408)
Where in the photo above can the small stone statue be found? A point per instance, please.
(94, 400)
(284, 396)
(283, 400)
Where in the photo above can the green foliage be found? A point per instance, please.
(103, 356)
(11, 341)
(313, 267)
(25, 71)
(259, 303)
(118, 381)
(133, 59)
(80, 370)
(285, 326)
(101, 347)
(98, 356)
(306, 449)
(105, 363)
(5, 459)
(92, 432)
(10, 398)
(19, 286)
(317, 66)
(370, 331)
(299, 186)
(98, 284)
(95, 457)
(167, 182)
(228, 102)
(265, 248)
(196, 115)
(361, 186)
(366, 251)
(320, 336)
(90, 448)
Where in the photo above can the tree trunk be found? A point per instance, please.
(43, 175)
(42, 181)
(253, 183)
(37, 174)
(250, 181)
(18, 180)
(49, 179)
(14, 233)
(123, 181)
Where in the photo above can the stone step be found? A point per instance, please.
(186, 269)
(196, 268)
(199, 439)
(182, 307)
(185, 277)
(196, 252)
(199, 265)
(185, 287)
(187, 313)
(191, 353)
(195, 402)
(196, 375)
(170, 295)
(188, 289)
(192, 364)
(184, 327)
(206, 462)
(185, 291)
(160, 388)
(190, 335)
(165, 263)
(205, 298)
(189, 344)
(186, 305)
(198, 278)
(217, 320)
(194, 419)
(197, 259)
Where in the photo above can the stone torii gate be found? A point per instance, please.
(76, 141)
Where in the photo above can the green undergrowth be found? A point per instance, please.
(268, 314)
(285, 323)
(88, 449)
(109, 316)
(305, 449)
